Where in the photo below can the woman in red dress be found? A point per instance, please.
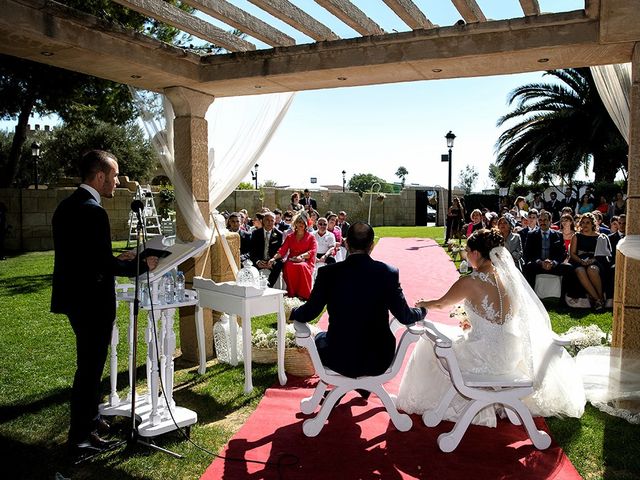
(300, 248)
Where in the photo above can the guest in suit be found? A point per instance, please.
(343, 224)
(569, 200)
(233, 225)
(544, 251)
(529, 224)
(553, 206)
(306, 200)
(359, 293)
(83, 289)
(265, 242)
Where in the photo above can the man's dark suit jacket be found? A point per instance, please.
(84, 268)
(312, 202)
(614, 238)
(256, 252)
(533, 248)
(554, 207)
(359, 294)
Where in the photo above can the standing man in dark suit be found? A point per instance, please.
(553, 206)
(265, 243)
(307, 200)
(545, 252)
(359, 293)
(343, 224)
(84, 289)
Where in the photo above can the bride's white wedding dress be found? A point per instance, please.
(497, 343)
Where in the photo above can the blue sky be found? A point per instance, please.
(376, 129)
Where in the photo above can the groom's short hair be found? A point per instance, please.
(360, 236)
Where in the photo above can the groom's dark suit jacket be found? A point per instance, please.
(84, 267)
(359, 294)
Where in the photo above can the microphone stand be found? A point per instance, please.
(133, 437)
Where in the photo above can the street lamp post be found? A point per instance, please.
(254, 175)
(450, 138)
(344, 180)
(35, 154)
(371, 192)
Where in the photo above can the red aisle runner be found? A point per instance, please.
(359, 440)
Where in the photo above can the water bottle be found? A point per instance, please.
(180, 297)
(464, 267)
(169, 288)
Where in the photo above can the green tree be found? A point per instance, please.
(402, 173)
(245, 186)
(28, 87)
(467, 178)
(269, 183)
(362, 183)
(495, 175)
(560, 128)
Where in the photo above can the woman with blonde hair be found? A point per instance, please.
(299, 249)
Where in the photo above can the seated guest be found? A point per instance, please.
(618, 206)
(564, 211)
(553, 206)
(326, 242)
(286, 226)
(602, 228)
(614, 238)
(358, 293)
(491, 220)
(265, 242)
(279, 222)
(244, 220)
(299, 249)
(569, 200)
(332, 227)
(544, 252)
(295, 205)
(512, 241)
(313, 220)
(529, 224)
(476, 222)
(233, 225)
(603, 206)
(256, 222)
(342, 224)
(590, 259)
(538, 201)
(568, 230)
(585, 205)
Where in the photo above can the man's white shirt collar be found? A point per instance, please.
(92, 191)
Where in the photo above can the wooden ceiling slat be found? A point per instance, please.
(181, 20)
(243, 21)
(409, 13)
(297, 18)
(470, 11)
(352, 16)
(530, 7)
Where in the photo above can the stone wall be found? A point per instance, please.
(29, 212)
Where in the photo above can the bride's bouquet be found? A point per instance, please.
(459, 314)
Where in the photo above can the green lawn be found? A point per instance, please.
(37, 356)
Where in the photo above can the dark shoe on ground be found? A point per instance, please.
(103, 428)
(599, 306)
(90, 447)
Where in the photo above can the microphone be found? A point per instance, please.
(137, 206)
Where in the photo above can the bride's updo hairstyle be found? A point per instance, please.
(484, 241)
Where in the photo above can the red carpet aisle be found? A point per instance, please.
(359, 441)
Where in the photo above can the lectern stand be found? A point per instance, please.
(152, 408)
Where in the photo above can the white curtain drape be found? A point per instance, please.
(240, 128)
(614, 86)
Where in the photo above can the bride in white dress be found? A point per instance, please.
(510, 331)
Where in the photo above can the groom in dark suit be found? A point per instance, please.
(359, 294)
(83, 289)
(265, 242)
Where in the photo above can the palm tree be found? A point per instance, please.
(402, 173)
(559, 129)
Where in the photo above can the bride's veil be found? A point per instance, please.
(558, 388)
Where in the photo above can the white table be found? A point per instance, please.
(246, 302)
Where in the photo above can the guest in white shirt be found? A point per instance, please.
(326, 242)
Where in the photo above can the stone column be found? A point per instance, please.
(626, 314)
(191, 147)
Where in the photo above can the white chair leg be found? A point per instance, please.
(540, 439)
(512, 416)
(313, 426)
(401, 421)
(431, 418)
(309, 404)
(449, 441)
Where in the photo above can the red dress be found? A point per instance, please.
(299, 276)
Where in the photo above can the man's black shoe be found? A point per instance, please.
(103, 427)
(90, 447)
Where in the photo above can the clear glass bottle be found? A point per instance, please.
(168, 288)
(180, 281)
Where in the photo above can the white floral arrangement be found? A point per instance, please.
(585, 336)
(460, 314)
(289, 304)
(381, 196)
(269, 338)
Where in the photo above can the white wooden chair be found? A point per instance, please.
(547, 286)
(342, 385)
(480, 391)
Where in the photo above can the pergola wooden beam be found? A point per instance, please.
(409, 13)
(470, 11)
(243, 21)
(530, 7)
(167, 13)
(352, 16)
(296, 18)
